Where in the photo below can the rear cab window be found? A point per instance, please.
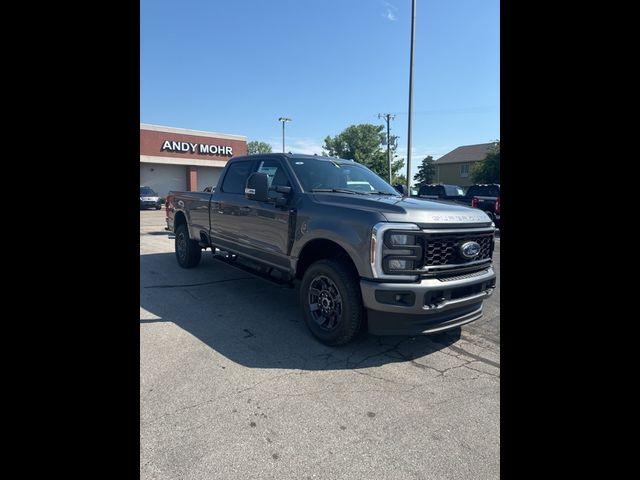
(484, 191)
(453, 191)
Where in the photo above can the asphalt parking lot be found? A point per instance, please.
(232, 386)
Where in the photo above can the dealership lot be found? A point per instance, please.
(233, 386)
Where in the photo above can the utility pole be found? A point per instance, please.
(413, 29)
(283, 120)
(388, 117)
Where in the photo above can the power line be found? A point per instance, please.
(447, 111)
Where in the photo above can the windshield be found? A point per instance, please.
(315, 174)
(453, 191)
(147, 191)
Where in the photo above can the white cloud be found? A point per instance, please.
(307, 146)
(390, 15)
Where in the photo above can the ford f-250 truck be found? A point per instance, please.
(361, 257)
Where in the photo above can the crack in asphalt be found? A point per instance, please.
(473, 355)
(496, 375)
(366, 374)
(395, 350)
(487, 338)
(422, 366)
(393, 353)
(316, 393)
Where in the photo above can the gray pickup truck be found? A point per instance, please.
(362, 257)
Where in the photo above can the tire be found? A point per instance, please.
(158, 207)
(188, 252)
(331, 302)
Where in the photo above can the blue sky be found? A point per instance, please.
(237, 66)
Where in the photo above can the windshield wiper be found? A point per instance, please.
(385, 193)
(336, 190)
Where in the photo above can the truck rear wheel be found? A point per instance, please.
(331, 301)
(188, 252)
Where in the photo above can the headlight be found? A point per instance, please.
(398, 239)
(395, 251)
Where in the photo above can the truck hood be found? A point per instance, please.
(424, 213)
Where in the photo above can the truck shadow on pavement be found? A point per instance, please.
(258, 324)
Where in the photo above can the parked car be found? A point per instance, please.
(149, 199)
(377, 260)
(441, 192)
(486, 197)
(402, 190)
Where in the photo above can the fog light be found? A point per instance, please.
(397, 264)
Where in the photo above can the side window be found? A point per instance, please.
(276, 174)
(236, 177)
(464, 170)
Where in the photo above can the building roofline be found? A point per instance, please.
(475, 145)
(185, 131)
(462, 153)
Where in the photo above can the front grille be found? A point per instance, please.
(444, 249)
(437, 252)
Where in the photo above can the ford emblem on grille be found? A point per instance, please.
(470, 249)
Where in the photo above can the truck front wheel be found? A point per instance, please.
(331, 301)
(188, 251)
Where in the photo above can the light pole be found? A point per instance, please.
(283, 120)
(413, 29)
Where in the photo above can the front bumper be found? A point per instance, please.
(432, 305)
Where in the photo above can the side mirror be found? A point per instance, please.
(257, 187)
(283, 189)
(402, 189)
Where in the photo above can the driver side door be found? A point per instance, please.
(272, 224)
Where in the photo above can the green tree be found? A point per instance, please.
(258, 147)
(361, 143)
(426, 172)
(397, 172)
(399, 180)
(487, 170)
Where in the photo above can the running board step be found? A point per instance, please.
(265, 273)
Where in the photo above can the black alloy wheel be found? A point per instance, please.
(188, 252)
(331, 301)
